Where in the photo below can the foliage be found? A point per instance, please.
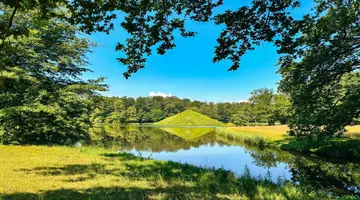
(154, 109)
(269, 107)
(61, 121)
(318, 49)
(42, 99)
(318, 68)
(149, 24)
(263, 101)
(190, 118)
(312, 170)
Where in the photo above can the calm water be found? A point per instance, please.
(203, 146)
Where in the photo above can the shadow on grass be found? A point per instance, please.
(113, 193)
(181, 181)
(122, 156)
(354, 135)
(67, 170)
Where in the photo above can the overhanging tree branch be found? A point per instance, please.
(6, 34)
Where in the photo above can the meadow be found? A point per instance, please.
(279, 132)
(39, 172)
(344, 147)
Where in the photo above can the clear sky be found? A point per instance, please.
(187, 71)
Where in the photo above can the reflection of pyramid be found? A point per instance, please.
(188, 133)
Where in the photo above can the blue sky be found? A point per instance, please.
(187, 71)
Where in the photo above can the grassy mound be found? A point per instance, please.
(190, 118)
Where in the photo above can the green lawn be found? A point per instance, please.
(38, 172)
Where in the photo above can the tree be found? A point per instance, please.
(239, 119)
(149, 23)
(282, 108)
(315, 65)
(131, 115)
(263, 105)
(42, 99)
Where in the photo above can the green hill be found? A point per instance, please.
(190, 118)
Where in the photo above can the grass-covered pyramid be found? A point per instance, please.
(190, 118)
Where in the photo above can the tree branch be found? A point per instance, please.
(17, 5)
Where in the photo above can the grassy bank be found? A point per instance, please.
(347, 146)
(263, 136)
(88, 173)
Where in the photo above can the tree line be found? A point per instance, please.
(264, 106)
(42, 57)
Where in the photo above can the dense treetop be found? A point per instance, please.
(42, 98)
(264, 107)
(151, 24)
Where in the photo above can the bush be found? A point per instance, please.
(62, 122)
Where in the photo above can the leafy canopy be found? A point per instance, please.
(42, 98)
(318, 51)
(151, 24)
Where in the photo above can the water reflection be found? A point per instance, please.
(203, 146)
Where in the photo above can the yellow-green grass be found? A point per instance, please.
(279, 132)
(33, 172)
(190, 118)
(272, 133)
(353, 131)
(347, 147)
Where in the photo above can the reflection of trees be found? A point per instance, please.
(148, 138)
(340, 176)
(336, 176)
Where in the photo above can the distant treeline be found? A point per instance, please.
(264, 106)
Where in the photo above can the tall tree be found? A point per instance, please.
(316, 63)
(263, 105)
(42, 99)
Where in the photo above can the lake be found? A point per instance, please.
(205, 147)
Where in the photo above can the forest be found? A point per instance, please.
(264, 107)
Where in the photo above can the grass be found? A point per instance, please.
(272, 133)
(262, 136)
(49, 173)
(190, 118)
(353, 131)
(279, 132)
(347, 147)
